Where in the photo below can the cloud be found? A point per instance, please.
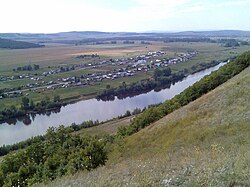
(236, 3)
(108, 15)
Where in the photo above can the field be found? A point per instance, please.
(55, 55)
(205, 143)
(58, 54)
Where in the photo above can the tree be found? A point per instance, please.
(45, 101)
(108, 86)
(36, 67)
(25, 103)
(57, 98)
(32, 105)
(157, 73)
(166, 72)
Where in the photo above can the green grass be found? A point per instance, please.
(205, 143)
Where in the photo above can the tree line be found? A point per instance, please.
(162, 78)
(12, 44)
(5, 149)
(143, 86)
(28, 105)
(132, 39)
(27, 68)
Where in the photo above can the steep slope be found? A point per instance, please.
(205, 143)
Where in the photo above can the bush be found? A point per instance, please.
(55, 155)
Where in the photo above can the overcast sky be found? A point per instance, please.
(48, 16)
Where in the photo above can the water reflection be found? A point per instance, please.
(91, 109)
(28, 119)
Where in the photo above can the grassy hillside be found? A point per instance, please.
(205, 143)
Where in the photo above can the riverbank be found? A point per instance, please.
(91, 109)
(123, 91)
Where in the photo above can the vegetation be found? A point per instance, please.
(59, 153)
(207, 84)
(11, 44)
(205, 143)
(167, 40)
(162, 78)
(5, 149)
(56, 55)
(27, 68)
(62, 153)
(232, 42)
(27, 105)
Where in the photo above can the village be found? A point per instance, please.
(123, 67)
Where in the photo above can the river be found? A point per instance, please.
(93, 109)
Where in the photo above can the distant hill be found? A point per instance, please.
(83, 35)
(221, 33)
(12, 44)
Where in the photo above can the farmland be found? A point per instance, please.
(54, 57)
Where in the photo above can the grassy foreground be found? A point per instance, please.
(205, 143)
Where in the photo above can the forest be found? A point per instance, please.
(12, 44)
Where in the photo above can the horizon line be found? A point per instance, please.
(152, 31)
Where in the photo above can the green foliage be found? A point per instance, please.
(200, 88)
(28, 105)
(57, 98)
(34, 141)
(11, 44)
(159, 73)
(27, 68)
(25, 103)
(5, 149)
(162, 78)
(229, 42)
(55, 155)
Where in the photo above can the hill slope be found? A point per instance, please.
(12, 44)
(204, 143)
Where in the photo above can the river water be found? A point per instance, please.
(93, 109)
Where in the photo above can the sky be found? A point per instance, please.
(51, 16)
